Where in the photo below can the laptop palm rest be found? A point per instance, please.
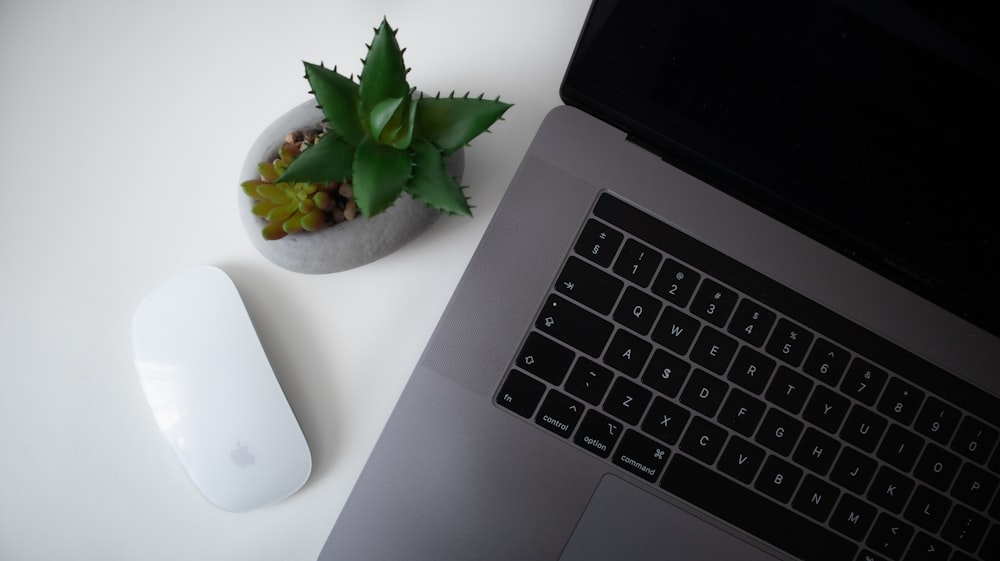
(625, 522)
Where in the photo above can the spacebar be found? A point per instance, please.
(754, 513)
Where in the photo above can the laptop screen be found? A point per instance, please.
(871, 125)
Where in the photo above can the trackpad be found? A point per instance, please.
(625, 522)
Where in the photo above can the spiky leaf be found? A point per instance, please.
(451, 122)
(337, 96)
(380, 174)
(432, 184)
(330, 159)
(383, 74)
(384, 115)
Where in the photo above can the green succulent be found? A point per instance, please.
(385, 140)
(288, 207)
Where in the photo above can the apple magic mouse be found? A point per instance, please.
(213, 393)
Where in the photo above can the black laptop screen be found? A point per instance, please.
(872, 126)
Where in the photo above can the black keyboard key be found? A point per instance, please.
(741, 459)
(598, 433)
(559, 413)
(666, 373)
(974, 486)
(665, 420)
(826, 409)
(676, 283)
(754, 513)
(637, 310)
(574, 325)
(742, 412)
(751, 322)
(853, 470)
(641, 455)
(927, 509)
(589, 381)
(889, 537)
(974, 439)
(853, 517)
(965, 528)
(704, 393)
(937, 420)
(520, 393)
(627, 353)
(637, 262)
(545, 358)
(703, 440)
(713, 303)
(589, 285)
(778, 479)
(627, 400)
(900, 447)
(789, 389)
(900, 401)
(751, 370)
(779, 432)
(816, 451)
(926, 548)
(890, 489)
(863, 428)
(789, 342)
(815, 498)
(991, 545)
(713, 350)
(863, 381)
(598, 242)
(676, 330)
(937, 467)
(826, 362)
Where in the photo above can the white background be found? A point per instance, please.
(123, 127)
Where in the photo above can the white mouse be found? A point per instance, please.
(213, 392)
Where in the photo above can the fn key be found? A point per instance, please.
(520, 393)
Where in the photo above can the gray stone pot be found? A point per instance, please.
(347, 245)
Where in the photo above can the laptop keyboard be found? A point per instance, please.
(708, 380)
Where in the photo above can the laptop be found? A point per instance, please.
(740, 301)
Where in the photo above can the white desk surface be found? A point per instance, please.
(123, 127)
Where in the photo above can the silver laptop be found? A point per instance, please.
(739, 302)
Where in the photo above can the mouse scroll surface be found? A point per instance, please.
(214, 395)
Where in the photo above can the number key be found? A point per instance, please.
(676, 283)
(937, 420)
(637, 262)
(901, 401)
(752, 322)
(713, 302)
(789, 342)
(863, 381)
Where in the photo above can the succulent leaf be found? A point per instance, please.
(337, 96)
(383, 74)
(267, 172)
(313, 221)
(384, 113)
(327, 160)
(432, 184)
(380, 174)
(451, 122)
(250, 187)
(273, 231)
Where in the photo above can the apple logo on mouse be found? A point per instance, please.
(241, 455)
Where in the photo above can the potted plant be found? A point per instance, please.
(369, 148)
